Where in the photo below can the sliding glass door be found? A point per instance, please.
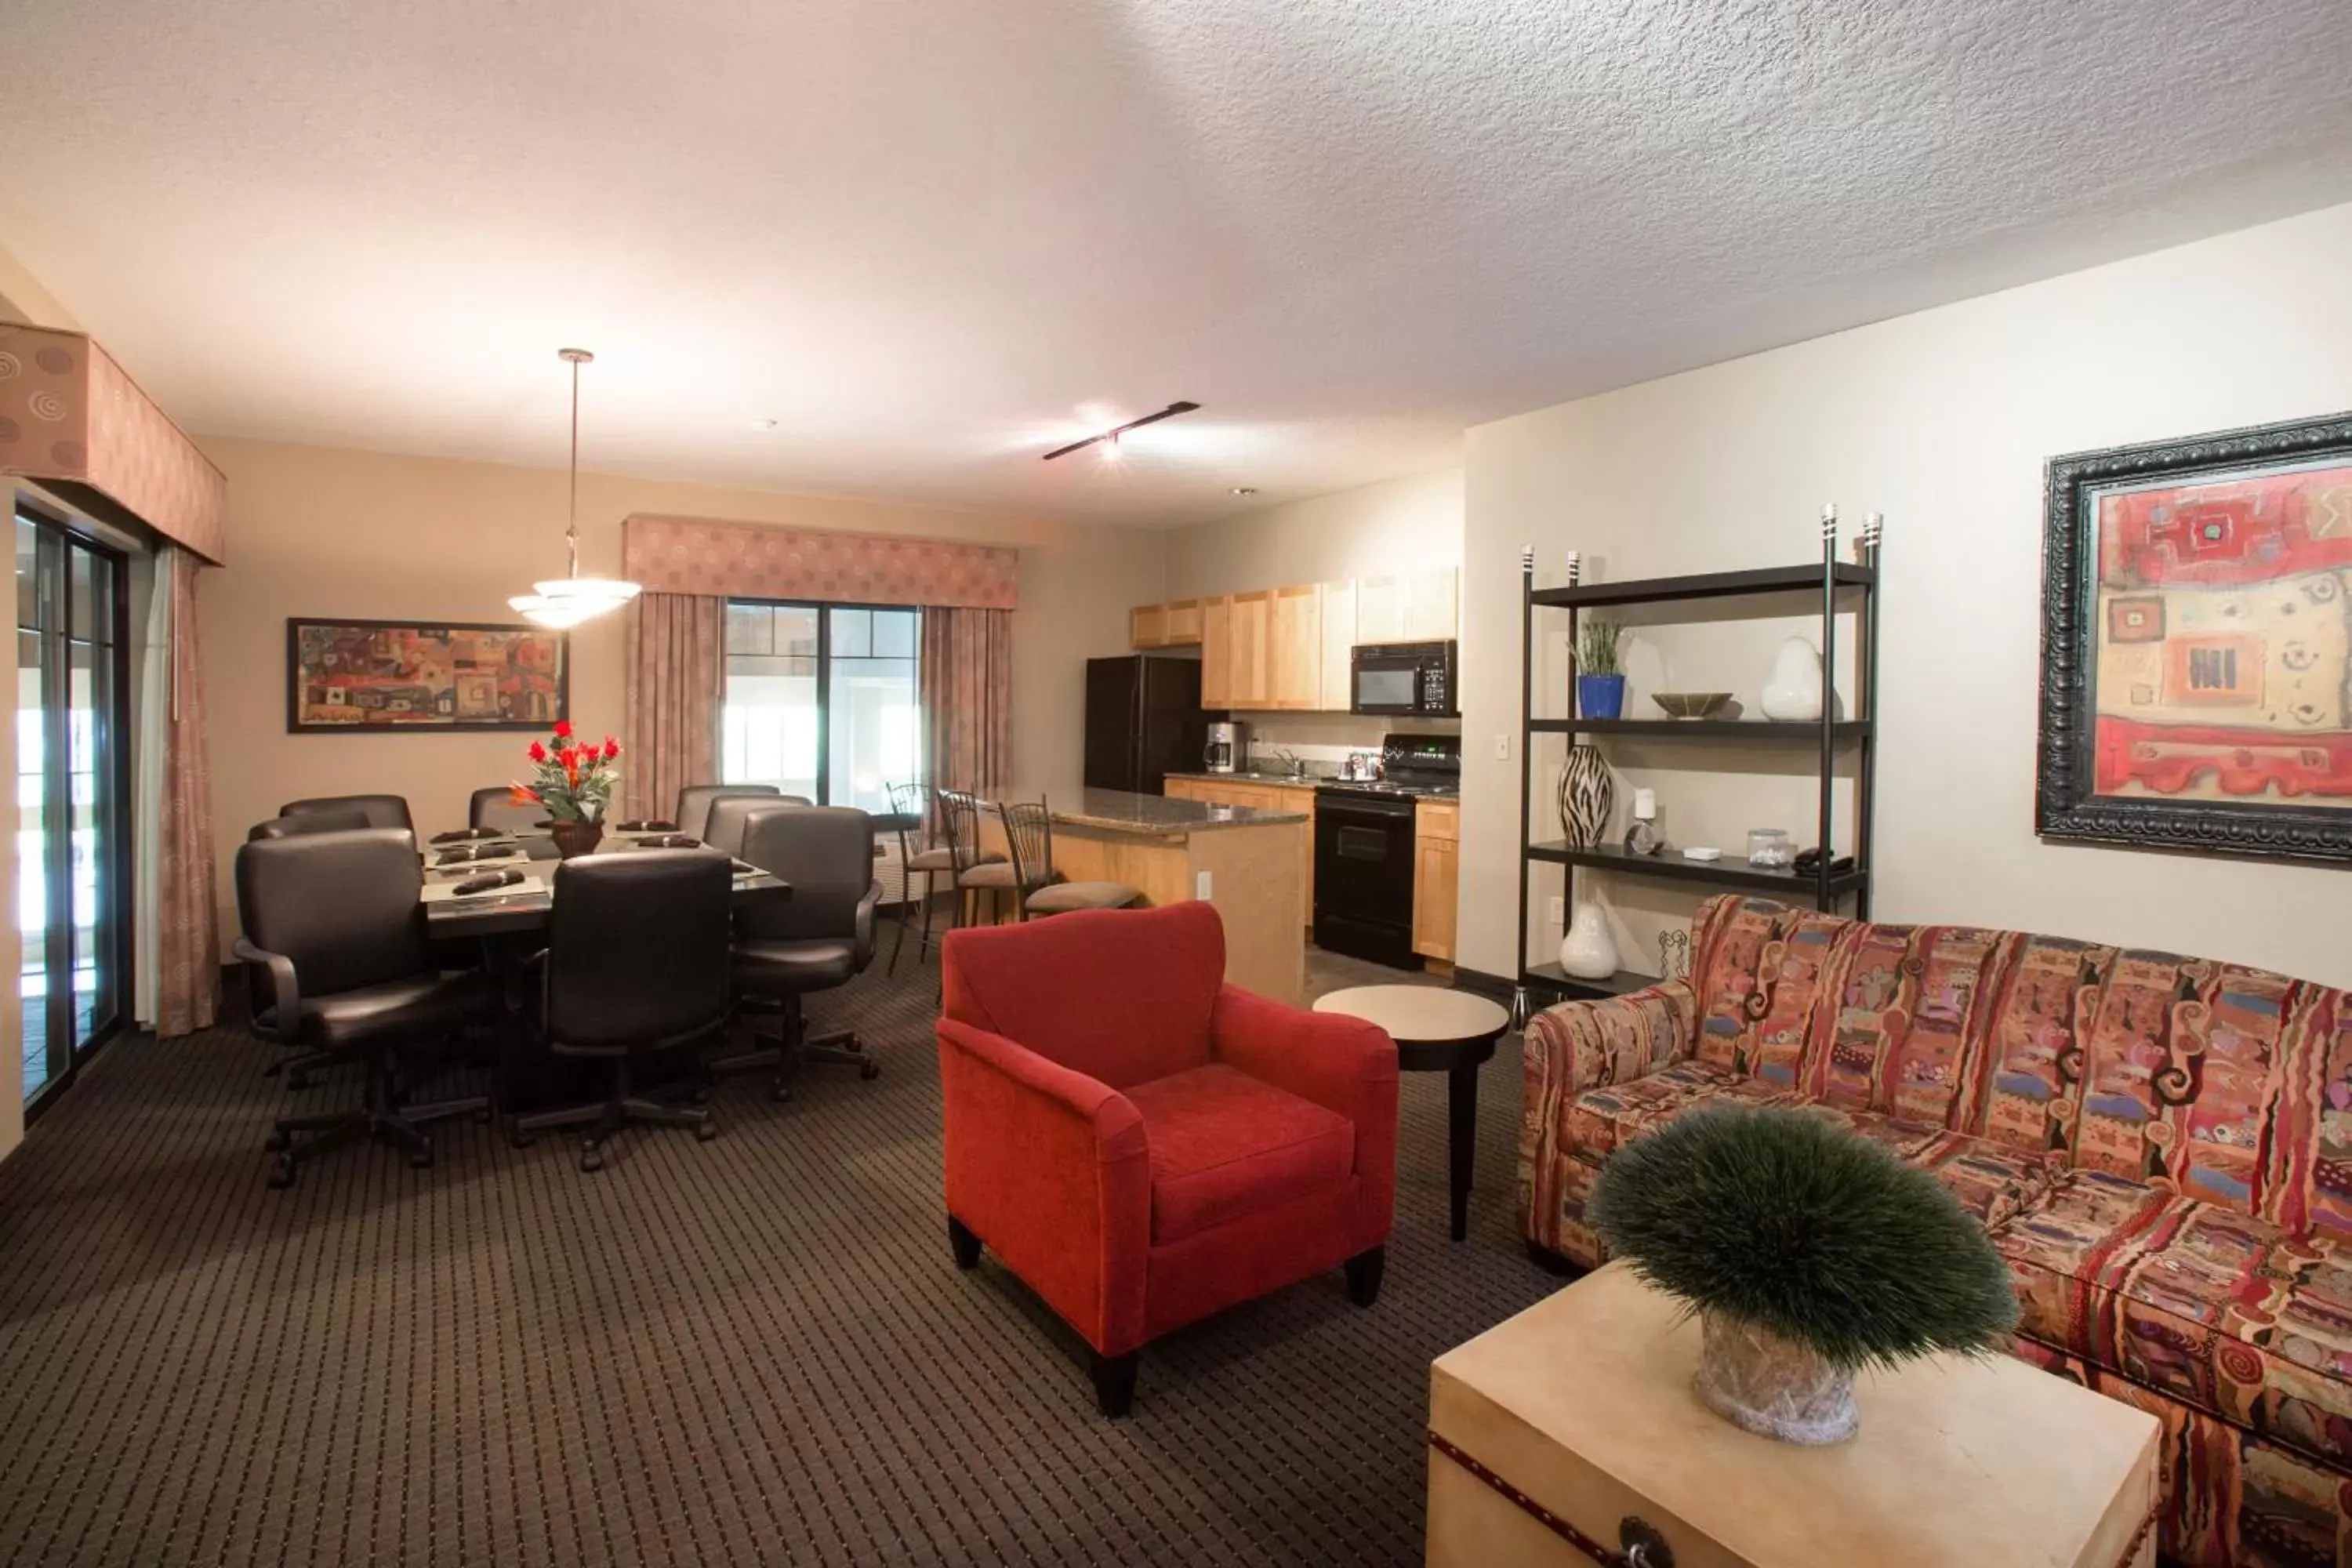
(822, 699)
(73, 728)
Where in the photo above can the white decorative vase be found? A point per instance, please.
(1587, 950)
(1773, 1387)
(1792, 692)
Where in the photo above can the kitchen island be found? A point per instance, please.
(1244, 859)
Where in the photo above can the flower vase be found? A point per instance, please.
(1588, 952)
(1600, 696)
(1773, 1386)
(1586, 794)
(575, 837)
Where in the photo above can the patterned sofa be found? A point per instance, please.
(2160, 1146)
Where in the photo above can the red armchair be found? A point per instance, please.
(1143, 1144)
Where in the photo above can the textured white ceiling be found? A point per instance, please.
(922, 235)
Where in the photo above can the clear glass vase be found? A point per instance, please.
(1773, 1387)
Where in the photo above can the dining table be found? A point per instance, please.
(452, 861)
(503, 920)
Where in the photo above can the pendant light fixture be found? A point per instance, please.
(571, 599)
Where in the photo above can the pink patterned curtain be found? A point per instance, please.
(967, 677)
(188, 970)
(677, 681)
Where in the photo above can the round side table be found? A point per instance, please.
(1436, 1030)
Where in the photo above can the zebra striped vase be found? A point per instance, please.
(1586, 793)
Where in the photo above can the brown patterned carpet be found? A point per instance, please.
(749, 1351)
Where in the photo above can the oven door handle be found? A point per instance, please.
(1380, 810)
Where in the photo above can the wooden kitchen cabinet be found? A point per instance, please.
(1251, 630)
(1182, 622)
(1337, 684)
(1217, 653)
(1409, 607)
(1295, 649)
(1432, 607)
(1436, 879)
(1146, 626)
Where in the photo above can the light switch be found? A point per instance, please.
(1559, 911)
(1200, 886)
(1502, 748)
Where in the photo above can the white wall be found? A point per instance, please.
(1397, 525)
(1942, 420)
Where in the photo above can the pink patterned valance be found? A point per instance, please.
(68, 412)
(700, 555)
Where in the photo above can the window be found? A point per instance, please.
(822, 700)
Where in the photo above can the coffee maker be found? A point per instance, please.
(1227, 748)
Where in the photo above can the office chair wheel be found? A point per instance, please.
(521, 1140)
(706, 1130)
(868, 1071)
(281, 1171)
(592, 1159)
(421, 1157)
(780, 1092)
(278, 1140)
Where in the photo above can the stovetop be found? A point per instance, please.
(1432, 789)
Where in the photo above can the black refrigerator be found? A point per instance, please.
(1143, 722)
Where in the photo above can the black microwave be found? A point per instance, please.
(1404, 678)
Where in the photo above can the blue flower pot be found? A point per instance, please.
(1600, 696)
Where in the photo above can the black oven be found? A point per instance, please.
(1403, 678)
(1363, 875)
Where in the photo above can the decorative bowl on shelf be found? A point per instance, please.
(1691, 704)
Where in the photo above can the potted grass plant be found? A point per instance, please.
(574, 779)
(1808, 1254)
(1600, 678)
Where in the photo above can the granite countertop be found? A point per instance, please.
(1152, 815)
(1308, 782)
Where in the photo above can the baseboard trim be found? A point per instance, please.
(1494, 986)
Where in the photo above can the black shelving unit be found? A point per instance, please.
(1829, 578)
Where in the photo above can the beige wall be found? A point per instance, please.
(326, 531)
(23, 300)
(1396, 525)
(1942, 420)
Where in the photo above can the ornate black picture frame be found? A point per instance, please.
(2197, 645)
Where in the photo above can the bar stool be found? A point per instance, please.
(910, 805)
(1029, 834)
(976, 870)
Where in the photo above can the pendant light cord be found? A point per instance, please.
(571, 523)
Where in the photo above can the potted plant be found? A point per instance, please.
(574, 782)
(1808, 1254)
(1600, 679)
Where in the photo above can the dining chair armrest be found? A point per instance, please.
(285, 991)
(865, 907)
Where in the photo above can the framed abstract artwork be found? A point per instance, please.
(2197, 644)
(344, 676)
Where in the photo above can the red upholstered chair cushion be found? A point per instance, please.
(1225, 1144)
(1122, 995)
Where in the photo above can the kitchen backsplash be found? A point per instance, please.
(1328, 738)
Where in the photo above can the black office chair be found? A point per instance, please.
(334, 922)
(496, 809)
(381, 810)
(694, 803)
(635, 963)
(730, 814)
(819, 938)
(336, 820)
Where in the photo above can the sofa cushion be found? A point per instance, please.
(1225, 1144)
(1759, 967)
(2218, 1309)
(1600, 1120)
